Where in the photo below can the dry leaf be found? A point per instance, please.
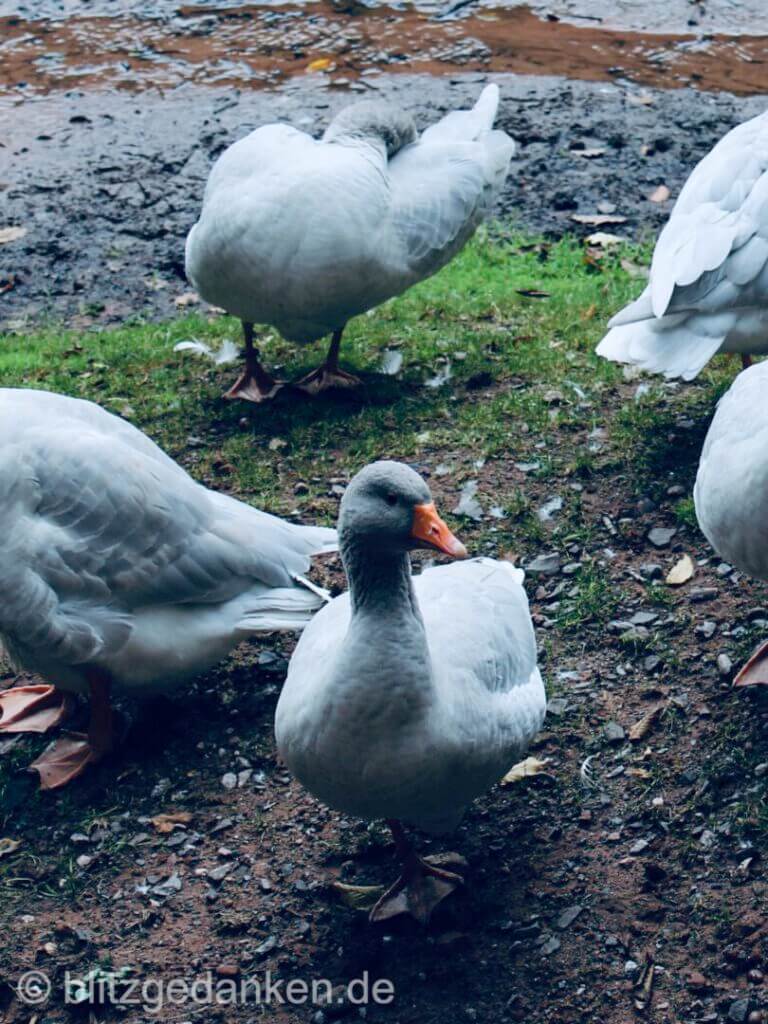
(681, 572)
(639, 773)
(644, 985)
(640, 99)
(320, 64)
(660, 195)
(524, 769)
(358, 897)
(604, 239)
(187, 299)
(635, 269)
(598, 219)
(11, 234)
(166, 823)
(8, 846)
(641, 729)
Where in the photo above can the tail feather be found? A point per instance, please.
(682, 350)
(466, 125)
(280, 608)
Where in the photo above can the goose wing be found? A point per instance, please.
(478, 623)
(715, 243)
(98, 522)
(446, 183)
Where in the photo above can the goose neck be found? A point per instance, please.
(379, 582)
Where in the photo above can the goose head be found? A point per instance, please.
(373, 119)
(387, 507)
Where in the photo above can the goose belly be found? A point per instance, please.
(303, 260)
(167, 647)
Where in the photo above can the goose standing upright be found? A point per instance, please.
(408, 697)
(120, 572)
(731, 492)
(303, 234)
(708, 289)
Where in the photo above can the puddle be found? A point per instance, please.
(341, 41)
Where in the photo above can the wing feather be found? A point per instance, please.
(98, 522)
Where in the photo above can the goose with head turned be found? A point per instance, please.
(731, 491)
(408, 697)
(303, 234)
(120, 573)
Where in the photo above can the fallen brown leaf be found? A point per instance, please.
(358, 897)
(604, 239)
(681, 572)
(598, 219)
(9, 846)
(660, 195)
(641, 729)
(524, 769)
(165, 823)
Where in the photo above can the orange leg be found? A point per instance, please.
(71, 755)
(420, 887)
(254, 384)
(329, 375)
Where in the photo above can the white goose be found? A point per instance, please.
(120, 572)
(303, 234)
(731, 492)
(708, 290)
(408, 697)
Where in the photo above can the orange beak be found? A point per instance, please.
(429, 528)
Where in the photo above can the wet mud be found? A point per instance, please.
(112, 112)
(263, 45)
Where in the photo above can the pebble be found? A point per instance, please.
(631, 967)
(738, 1011)
(696, 981)
(724, 665)
(550, 946)
(548, 564)
(567, 917)
(229, 781)
(661, 536)
(614, 733)
(706, 629)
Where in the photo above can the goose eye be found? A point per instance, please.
(391, 499)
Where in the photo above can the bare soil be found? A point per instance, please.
(652, 855)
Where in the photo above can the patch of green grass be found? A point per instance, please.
(594, 599)
(518, 349)
(685, 513)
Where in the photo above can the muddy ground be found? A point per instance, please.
(108, 186)
(626, 883)
(109, 125)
